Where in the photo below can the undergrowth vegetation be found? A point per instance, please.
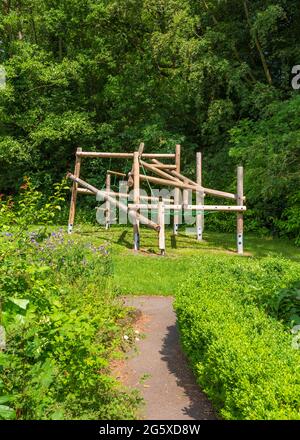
(235, 317)
(60, 322)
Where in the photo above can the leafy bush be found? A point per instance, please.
(269, 149)
(61, 324)
(289, 221)
(243, 358)
(285, 305)
(32, 206)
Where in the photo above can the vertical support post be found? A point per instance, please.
(107, 203)
(177, 190)
(240, 216)
(74, 192)
(136, 197)
(161, 222)
(185, 195)
(199, 198)
(185, 202)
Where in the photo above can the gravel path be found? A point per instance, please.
(159, 368)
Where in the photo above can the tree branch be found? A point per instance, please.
(258, 46)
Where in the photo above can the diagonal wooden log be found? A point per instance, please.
(165, 166)
(208, 191)
(116, 173)
(158, 171)
(165, 182)
(113, 201)
(175, 174)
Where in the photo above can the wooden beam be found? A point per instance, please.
(166, 182)
(107, 155)
(164, 166)
(114, 202)
(154, 170)
(85, 191)
(193, 187)
(158, 156)
(177, 174)
(116, 173)
(208, 191)
(74, 192)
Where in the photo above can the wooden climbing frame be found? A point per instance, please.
(164, 175)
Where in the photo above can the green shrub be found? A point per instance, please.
(31, 206)
(63, 325)
(242, 357)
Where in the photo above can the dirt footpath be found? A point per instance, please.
(159, 369)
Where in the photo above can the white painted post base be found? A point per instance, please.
(70, 228)
(136, 241)
(161, 221)
(199, 233)
(240, 244)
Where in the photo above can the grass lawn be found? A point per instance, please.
(147, 273)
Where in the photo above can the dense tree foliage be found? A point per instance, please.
(214, 75)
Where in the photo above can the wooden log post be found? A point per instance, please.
(177, 190)
(199, 198)
(74, 191)
(185, 196)
(136, 197)
(107, 203)
(240, 216)
(161, 222)
(173, 183)
(185, 201)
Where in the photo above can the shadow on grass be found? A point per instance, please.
(121, 240)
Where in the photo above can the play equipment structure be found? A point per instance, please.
(165, 175)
